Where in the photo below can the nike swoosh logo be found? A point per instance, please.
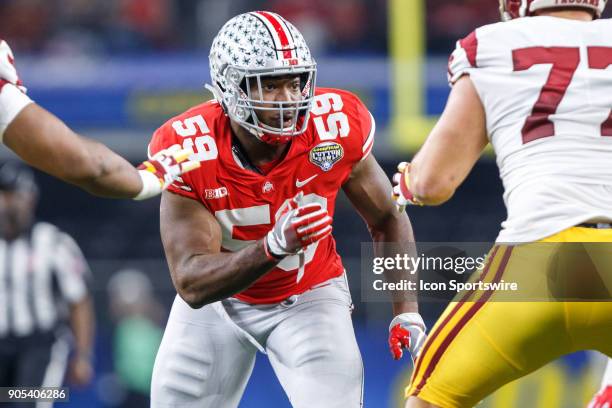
(300, 184)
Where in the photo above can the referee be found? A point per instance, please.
(43, 292)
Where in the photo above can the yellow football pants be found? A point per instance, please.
(484, 340)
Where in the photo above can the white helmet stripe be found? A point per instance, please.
(283, 40)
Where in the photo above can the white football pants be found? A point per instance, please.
(207, 355)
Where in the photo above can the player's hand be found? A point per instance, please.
(13, 96)
(300, 226)
(80, 371)
(603, 399)
(406, 332)
(163, 168)
(401, 192)
(8, 72)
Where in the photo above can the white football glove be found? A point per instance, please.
(406, 331)
(163, 168)
(8, 72)
(12, 92)
(300, 226)
(401, 193)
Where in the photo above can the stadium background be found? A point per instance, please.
(117, 69)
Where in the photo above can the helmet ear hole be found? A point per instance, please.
(243, 114)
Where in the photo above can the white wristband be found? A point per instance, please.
(150, 185)
(12, 101)
(408, 318)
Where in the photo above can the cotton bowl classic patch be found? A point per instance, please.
(326, 154)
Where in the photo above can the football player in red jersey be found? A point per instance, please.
(248, 235)
(45, 142)
(537, 86)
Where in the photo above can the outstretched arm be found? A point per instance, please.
(450, 151)
(45, 142)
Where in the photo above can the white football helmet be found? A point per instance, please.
(511, 9)
(255, 45)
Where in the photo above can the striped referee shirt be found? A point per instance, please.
(39, 273)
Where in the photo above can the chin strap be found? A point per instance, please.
(274, 140)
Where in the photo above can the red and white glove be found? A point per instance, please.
(163, 168)
(13, 96)
(401, 192)
(8, 72)
(603, 399)
(300, 226)
(406, 331)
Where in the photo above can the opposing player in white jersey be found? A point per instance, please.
(538, 87)
(248, 236)
(45, 142)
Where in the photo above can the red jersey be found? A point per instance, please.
(246, 204)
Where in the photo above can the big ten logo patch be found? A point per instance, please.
(212, 193)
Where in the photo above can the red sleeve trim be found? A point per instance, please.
(470, 45)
